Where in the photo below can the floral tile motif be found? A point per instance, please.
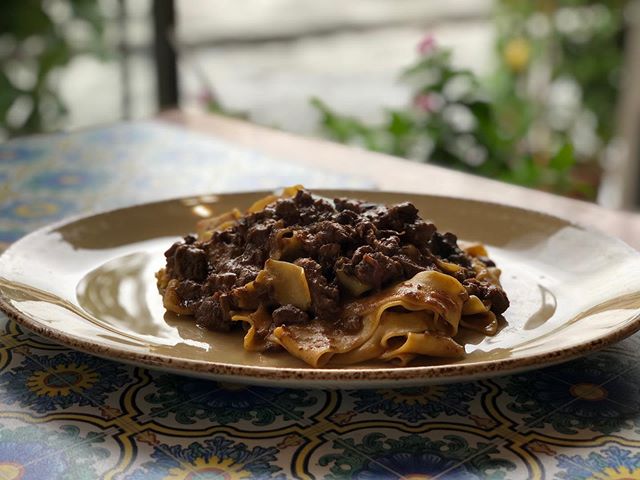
(167, 391)
(332, 459)
(65, 179)
(214, 457)
(597, 368)
(187, 404)
(294, 404)
(609, 463)
(20, 153)
(508, 463)
(383, 453)
(456, 405)
(139, 448)
(64, 414)
(8, 330)
(12, 393)
(418, 403)
(581, 404)
(47, 383)
(36, 209)
(52, 450)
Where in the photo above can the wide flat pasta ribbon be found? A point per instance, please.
(436, 296)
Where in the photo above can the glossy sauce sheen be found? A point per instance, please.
(338, 243)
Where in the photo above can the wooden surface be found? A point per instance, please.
(393, 174)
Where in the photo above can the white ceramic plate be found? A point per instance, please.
(89, 283)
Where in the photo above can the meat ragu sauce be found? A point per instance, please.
(346, 247)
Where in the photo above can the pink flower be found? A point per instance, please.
(426, 102)
(207, 98)
(427, 44)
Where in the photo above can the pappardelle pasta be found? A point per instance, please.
(333, 282)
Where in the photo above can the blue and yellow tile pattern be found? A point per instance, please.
(69, 415)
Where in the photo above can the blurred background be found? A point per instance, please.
(544, 94)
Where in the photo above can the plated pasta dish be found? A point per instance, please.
(333, 281)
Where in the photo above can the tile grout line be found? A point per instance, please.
(132, 427)
(124, 424)
(102, 435)
(328, 424)
(625, 370)
(494, 444)
(319, 428)
(373, 460)
(518, 432)
(533, 422)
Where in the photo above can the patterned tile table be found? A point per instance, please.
(69, 415)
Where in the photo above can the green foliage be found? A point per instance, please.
(507, 126)
(451, 123)
(37, 40)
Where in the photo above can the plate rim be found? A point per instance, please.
(349, 376)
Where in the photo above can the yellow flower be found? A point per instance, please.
(215, 468)
(517, 54)
(60, 380)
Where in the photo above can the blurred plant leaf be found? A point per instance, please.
(24, 18)
(563, 160)
(21, 20)
(8, 94)
(89, 11)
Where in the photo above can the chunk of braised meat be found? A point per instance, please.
(219, 282)
(366, 232)
(347, 204)
(186, 261)
(323, 233)
(289, 315)
(445, 245)
(259, 233)
(419, 233)
(346, 217)
(312, 209)
(328, 255)
(389, 244)
(487, 261)
(325, 296)
(303, 198)
(214, 313)
(372, 243)
(189, 291)
(410, 267)
(371, 267)
(396, 216)
(489, 292)
(377, 270)
(287, 211)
